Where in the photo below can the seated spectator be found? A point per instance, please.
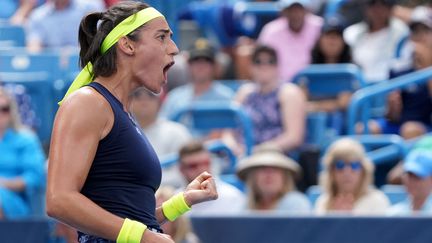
(21, 161)
(270, 180)
(331, 48)
(180, 230)
(417, 179)
(277, 109)
(293, 35)
(374, 41)
(347, 182)
(202, 67)
(19, 10)
(166, 137)
(409, 110)
(55, 23)
(396, 173)
(194, 159)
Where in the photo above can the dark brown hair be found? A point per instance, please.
(264, 49)
(93, 30)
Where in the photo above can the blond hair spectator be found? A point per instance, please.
(270, 180)
(347, 181)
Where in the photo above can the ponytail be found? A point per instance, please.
(93, 30)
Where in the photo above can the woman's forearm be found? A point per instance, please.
(81, 213)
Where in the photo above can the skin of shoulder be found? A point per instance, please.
(81, 122)
(243, 92)
(289, 91)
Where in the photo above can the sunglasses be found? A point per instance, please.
(340, 165)
(264, 62)
(5, 109)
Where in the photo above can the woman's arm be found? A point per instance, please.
(293, 109)
(77, 130)
(202, 189)
(81, 122)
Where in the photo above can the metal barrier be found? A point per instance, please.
(360, 101)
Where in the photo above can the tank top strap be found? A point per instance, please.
(116, 107)
(114, 102)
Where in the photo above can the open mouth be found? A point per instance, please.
(166, 68)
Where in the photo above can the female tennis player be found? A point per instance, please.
(103, 172)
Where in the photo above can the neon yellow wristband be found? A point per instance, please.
(175, 206)
(131, 232)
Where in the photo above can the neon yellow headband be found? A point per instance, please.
(124, 28)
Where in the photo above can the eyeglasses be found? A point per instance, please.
(340, 165)
(5, 109)
(265, 62)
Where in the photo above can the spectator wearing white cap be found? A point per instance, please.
(270, 180)
(417, 179)
(293, 35)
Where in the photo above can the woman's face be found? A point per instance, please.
(154, 55)
(269, 180)
(347, 175)
(331, 44)
(5, 113)
(264, 69)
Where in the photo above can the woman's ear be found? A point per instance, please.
(126, 46)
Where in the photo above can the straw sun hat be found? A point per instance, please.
(267, 156)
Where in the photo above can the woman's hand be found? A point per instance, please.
(153, 237)
(202, 189)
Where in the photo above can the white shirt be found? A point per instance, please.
(374, 52)
(230, 201)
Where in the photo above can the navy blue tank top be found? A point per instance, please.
(125, 172)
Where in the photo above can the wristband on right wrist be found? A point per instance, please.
(175, 206)
(131, 232)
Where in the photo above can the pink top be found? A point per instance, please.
(293, 49)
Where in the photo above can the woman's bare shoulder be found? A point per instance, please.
(85, 105)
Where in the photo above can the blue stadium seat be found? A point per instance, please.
(316, 129)
(37, 73)
(328, 80)
(70, 68)
(395, 193)
(207, 116)
(313, 192)
(12, 36)
(233, 84)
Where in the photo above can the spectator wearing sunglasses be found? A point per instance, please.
(21, 161)
(195, 159)
(347, 182)
(277, 109)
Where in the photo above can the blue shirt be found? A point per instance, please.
(416, 101)
(125, 172)
(21, 155)
(183, 96)
(56, 28)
